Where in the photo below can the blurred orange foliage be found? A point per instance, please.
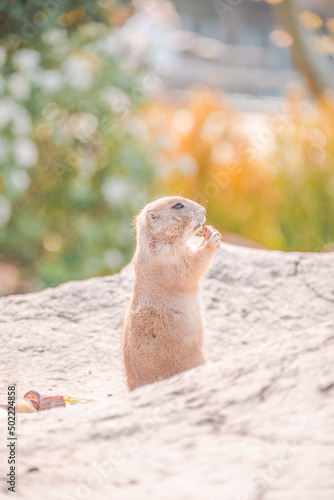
(272, 183)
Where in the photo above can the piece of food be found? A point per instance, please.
(52, 402)
(208, 230)
(37, 401)
(75, 399)
(34, 397)
(24, 406)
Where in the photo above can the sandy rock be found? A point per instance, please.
(255, 423)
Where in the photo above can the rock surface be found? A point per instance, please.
(255, 423)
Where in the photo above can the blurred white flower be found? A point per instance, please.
(81, 125)
(51, 111)
(49, 80)
(55, 36)
(87, 166)
(116, 98)
(5, 211)
(79, 71)
(26, 60)
(8, 110)
(187, 165)
(21, 122)
(222, 152)
(111, 44)
(135, 41)
(3, 150)
(25, 152)
(137, 127)
(113, 258)
(20, 179)
(3, 55)
(88, 125)
(18, 86)
(116, 191)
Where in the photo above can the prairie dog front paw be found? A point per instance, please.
(212, 236)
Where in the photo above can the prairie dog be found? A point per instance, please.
(163, 327)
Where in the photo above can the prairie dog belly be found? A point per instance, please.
(163, 341)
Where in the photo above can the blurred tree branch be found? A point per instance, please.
(311, 65)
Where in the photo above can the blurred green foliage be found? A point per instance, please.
(80, 154)
(73, 166)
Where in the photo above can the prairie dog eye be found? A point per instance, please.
(178, 205)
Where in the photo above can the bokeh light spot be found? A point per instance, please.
(281, 38)
(183, 122)
(273, 2)
(53, 241)
(310, 20)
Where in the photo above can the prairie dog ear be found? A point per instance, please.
(152, 216)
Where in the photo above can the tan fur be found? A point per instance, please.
(163, 327)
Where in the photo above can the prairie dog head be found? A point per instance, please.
(169, 220)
